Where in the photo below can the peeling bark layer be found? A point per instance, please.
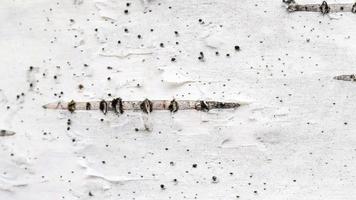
(350, 77)
(323, 7)
(146, 105)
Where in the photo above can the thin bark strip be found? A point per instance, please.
(324, 7)
(6, 133)
(146, 106)
(351, 77)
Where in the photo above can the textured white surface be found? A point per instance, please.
(295, 139)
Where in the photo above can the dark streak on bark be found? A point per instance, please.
(88, 106)
(116, 105)
(146, 106)
(103, 106)
(173, 106)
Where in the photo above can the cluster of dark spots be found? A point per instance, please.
(69, 122)
(19, 95)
